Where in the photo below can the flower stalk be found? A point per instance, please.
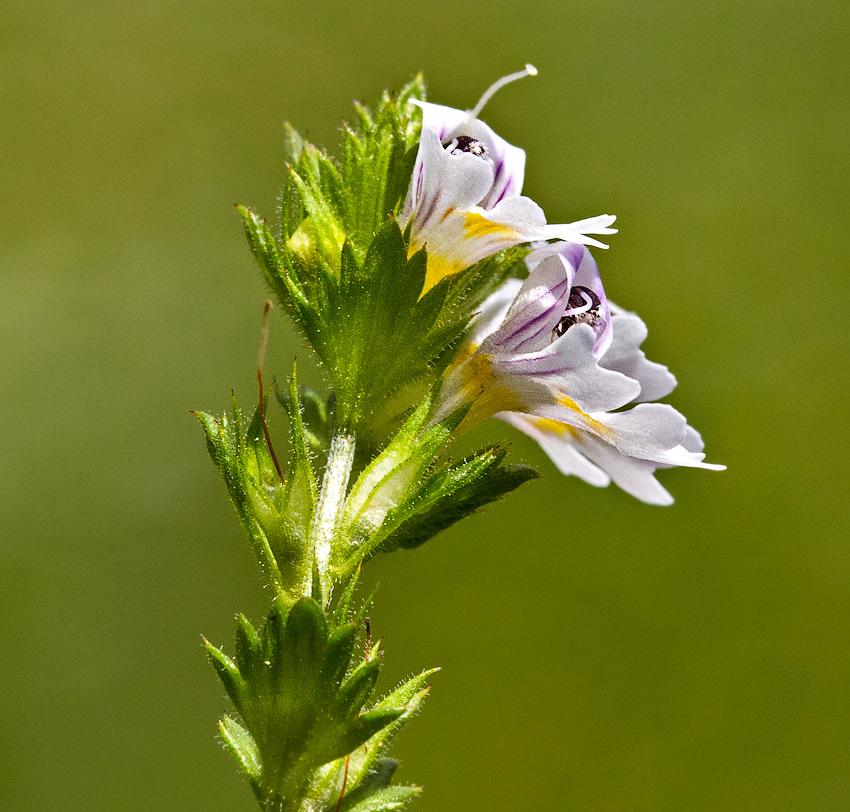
(329, 507)
(435, 295)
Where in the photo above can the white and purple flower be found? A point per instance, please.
(464, 203)
(553, 358)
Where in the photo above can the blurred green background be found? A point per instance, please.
(598, 654)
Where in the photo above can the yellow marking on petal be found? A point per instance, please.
(475, 227)
(600, 428)
(481, 387)
(439, 268)
(553, 426)
(478, 226)
(466, 352)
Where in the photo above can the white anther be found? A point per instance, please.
(583, 308)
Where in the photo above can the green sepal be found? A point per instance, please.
(229, 674)
(343, 602)
(358, 687)
(340, 651)
(301, 492)
(253, 496)
(318, 415)
(268, 256)
(293, 143)
(454, 493)
(388, 481)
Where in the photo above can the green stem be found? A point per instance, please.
(334, 486)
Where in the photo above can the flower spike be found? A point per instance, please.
(390, 261)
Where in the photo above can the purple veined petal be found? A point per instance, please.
(576, 384)
(439, 118)
(624, 355)
(586, 274)
(493, 311)
(445, 183)
(535, 312)
(508, 160)
(572, 253)
(444, 219)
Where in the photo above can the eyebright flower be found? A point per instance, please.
(464, 202)
(552, 357)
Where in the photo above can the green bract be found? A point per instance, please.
(307, 712)
(341, 267)
(276, 513)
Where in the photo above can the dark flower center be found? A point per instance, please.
(465, 143)
(583, 307)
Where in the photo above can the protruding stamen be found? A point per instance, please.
(529, 70)
(587, 302)
(583, 308)
(463, 143)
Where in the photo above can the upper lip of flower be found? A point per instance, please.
(506, 161)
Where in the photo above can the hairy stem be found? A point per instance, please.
(334, 486)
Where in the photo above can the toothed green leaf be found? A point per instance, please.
(344, 271)
(298, 709)
(244, 750)
(276, 513)
(407, 697)
(384, 800)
